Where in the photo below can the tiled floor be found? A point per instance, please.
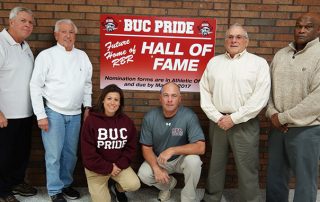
(145, 194)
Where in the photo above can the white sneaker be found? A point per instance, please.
(166, 194)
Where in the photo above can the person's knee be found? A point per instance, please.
(192, 163)
(145, 173)
(133, 184)
(53, 159)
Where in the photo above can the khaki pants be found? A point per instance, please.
(244, 141)
(127, 180)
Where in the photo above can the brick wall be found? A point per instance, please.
(269, 23)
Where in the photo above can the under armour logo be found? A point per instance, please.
(168, 124)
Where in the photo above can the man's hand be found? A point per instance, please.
(165, 156)
(161, 175)
(3, 120)
(115, 170)
(43, 124)
(86, 113)
(276, 123)
(225, 122)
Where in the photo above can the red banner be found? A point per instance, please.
(144, 52)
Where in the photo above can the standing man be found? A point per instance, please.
(172, 141)
(60, 84)
(294, 111)
(234, 88)
(16, 65)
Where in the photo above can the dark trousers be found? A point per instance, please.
(296, 150)
(15, 144)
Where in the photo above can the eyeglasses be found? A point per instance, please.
(237, 37)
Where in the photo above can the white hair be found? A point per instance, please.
(14, 12)
(67, 21)
(237, 25)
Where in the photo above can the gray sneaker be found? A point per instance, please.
(24, 189)
(9, 198)
(166, 194)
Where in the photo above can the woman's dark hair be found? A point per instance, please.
(108, 89)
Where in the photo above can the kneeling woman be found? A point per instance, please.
(108, 145)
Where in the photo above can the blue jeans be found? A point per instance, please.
(296, 150)
(60, 144)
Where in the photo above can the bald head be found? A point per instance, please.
(169, 84)
(307, 29)
(314, 16)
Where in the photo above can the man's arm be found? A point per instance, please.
(205, 97)
(3, 119)
(37, 83)
(160, 174)
(86, 113)
(308, 109)
(271, 109)
(272, 112)
(196, 148)
(87, 91)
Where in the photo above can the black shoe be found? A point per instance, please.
(120, 196)
(24, 189)
(70, 193)
(58, 198)
(9, 198)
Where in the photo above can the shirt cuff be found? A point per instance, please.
(235, 118)
(282, 118)
(41, 116)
